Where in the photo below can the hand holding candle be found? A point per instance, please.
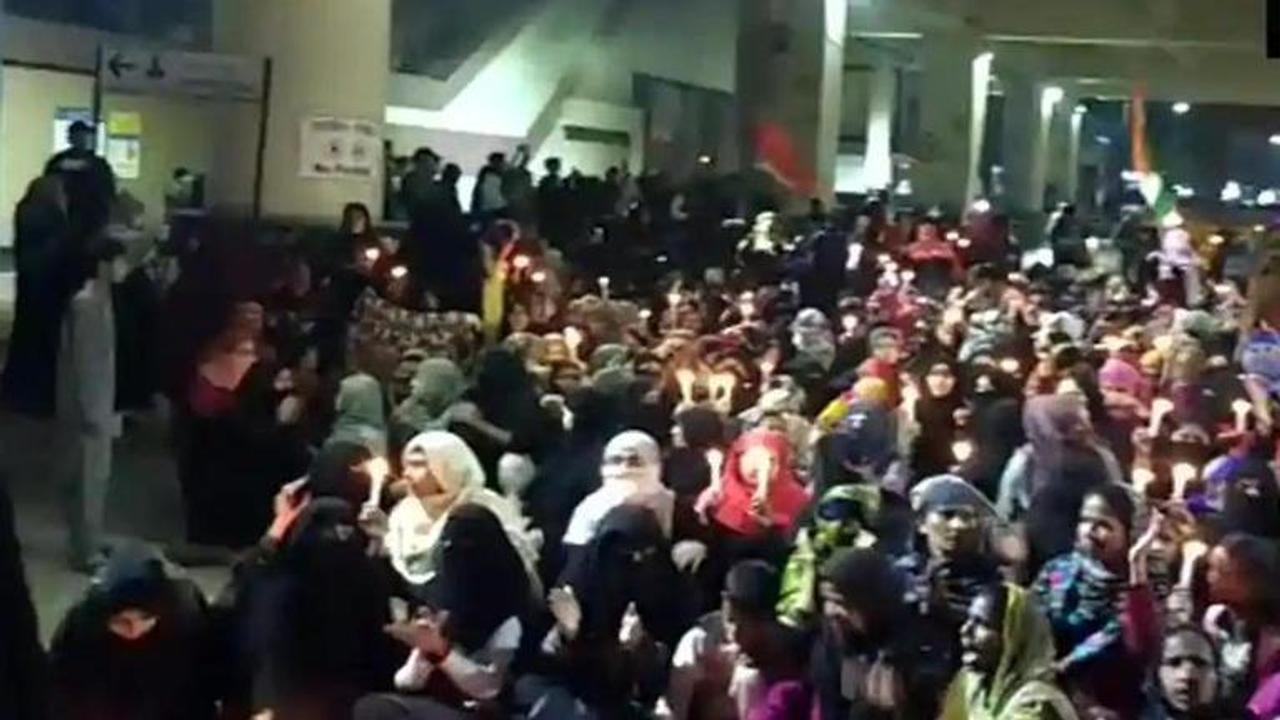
(573, 339)
(686, 378)
(379, 470)
(1242, 408)
(1159, 409)
(1183, 474)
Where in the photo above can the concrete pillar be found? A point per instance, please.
(330, 58)
(1021, 114)
(790, 78)
(1062, 158)
(1073, 153)
(953, 109)
(1048, 98)
(877, 167)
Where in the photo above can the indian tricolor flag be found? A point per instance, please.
(1159, 196)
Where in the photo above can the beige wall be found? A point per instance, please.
(175, 131)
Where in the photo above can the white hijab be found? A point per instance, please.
(631, 473)
(413, 533)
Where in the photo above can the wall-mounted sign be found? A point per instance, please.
(336, 148)
(203, 75)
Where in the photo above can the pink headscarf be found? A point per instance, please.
(1118, 374)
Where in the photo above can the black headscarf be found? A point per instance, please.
(628, 561)
(163, 674)
(1251, 504)
(686, 470)
(870, 585)
(481, 581)
(997, 434)
(931, 453)
(332, 476)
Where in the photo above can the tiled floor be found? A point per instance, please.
(144, 503)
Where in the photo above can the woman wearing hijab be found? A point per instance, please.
(1045, 481)
(871, 659)
(309, 623)
(570, 474)
(442, 474)
(1008, 662)
(135, 647)
(997, 435)
(617, 606)
(631, 474)
(699, 437)
(239, 436)
(437, 388)
(844, 517)
(44, 288)
(1100, 605)
(953, 560)
(509, 418)
(932, 450)
(757, 501)
(361, 414)
(464, 641)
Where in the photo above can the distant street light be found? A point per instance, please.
(1181, 108)
(1274, 139)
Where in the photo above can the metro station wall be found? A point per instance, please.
(175, 132)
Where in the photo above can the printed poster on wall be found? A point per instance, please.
(124, 144)
(337, 148)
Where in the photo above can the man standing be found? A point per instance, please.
(90, 187)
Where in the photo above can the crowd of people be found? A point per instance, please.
(884, 471)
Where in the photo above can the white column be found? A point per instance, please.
(1061, 157)
(877, 168)
(1021, 118)
(1073, 154)
(1050, 96)
(835, 30)
(951, 122)
(980, 93)
(330, 58)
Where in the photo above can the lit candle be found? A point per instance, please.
(399, 272)
(521, 262)
(1010, 366)
(372, 254)
(573, 339)
(686, 378)
(1242, 408)
(538, 276)
(1159, 408)
(850, 323)
(1142, 479)
(715, 459)
(962, 450)
(603, 282)
(379, 470)
(1183, 474)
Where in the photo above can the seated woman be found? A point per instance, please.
(361, 415)
(136, 646)
(442, 474)
(464, 643)
(617, 608)
(1008, 662)
(630, 473)
(1100, 606)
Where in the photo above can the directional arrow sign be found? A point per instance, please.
(119, 65)
(201, 75)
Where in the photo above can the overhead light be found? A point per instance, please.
(1184, 191)
(903, 188)
(1274, 139)
(1267, 197)
(1103, 140)
(981, 205)
(1081, 110)
(1051, 96)
(1181, 108)
(1231, 192)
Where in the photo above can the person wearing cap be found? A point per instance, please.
(952, 562)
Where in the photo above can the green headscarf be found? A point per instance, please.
(841, 519)
(1023, 687)
(361, 415)
(437, 386)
